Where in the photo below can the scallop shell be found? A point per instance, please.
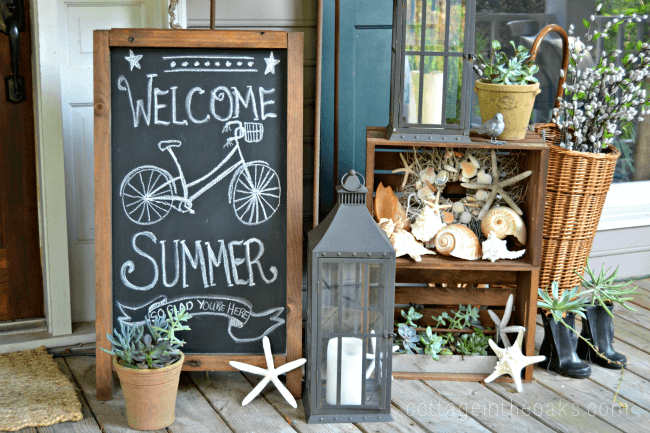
(483, 177)
(447, 217)
(442, 177)
(428, 175)
(387, 205)
(504, 221)
(475, 161)
(495, 249)
(425, 193)
(427, 224)
(458, 241)
(468, 169)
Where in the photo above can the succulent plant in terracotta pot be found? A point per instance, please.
(507, 86)
(148, 363)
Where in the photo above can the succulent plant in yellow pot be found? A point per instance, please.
(507, 86)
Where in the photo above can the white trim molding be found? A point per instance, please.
(627, 205)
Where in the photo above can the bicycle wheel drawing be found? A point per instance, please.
(255, 193)
(147, 194)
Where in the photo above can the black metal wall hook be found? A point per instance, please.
(12, 23)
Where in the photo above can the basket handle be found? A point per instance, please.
(565, 54)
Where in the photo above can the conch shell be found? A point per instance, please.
(388, 206)
(495, 249)
(403, 241)
(504, 221)
(458, 241)
(427, 224)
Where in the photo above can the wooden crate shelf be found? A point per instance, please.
(520, 276)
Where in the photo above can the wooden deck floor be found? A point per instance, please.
(212, 403)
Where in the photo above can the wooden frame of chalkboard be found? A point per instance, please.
(104, 42)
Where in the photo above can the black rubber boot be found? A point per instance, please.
(559, 347)
(599, 330)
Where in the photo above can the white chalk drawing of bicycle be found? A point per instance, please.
(149, 193)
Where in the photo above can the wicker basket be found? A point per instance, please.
(576, 190)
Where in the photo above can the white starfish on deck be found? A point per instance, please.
(501, 325)
(270, 374)
(512, 361)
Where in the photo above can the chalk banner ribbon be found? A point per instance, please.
(239, 312)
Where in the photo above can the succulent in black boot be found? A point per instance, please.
(599, 330)
(559, 347)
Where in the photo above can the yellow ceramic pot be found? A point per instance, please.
(515, 103)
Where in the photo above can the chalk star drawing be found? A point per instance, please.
(270, 374)
(270, 64)
(512, 361)
(134, 60)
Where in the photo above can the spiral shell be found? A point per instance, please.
(458, 241)
(504, 221)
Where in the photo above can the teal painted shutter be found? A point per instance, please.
(365, 33)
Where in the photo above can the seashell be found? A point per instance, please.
(425, 193)
(387, 225)
(427, 224)
(447, 217)
(449, 153)
(450, 168)
(481, 195)
(483, 177)
(495, 249)
(442, 177)
(428, 175)
(458, 207)
(458, 153)
(504, 221)
(465, 217)
(405, 244)
(474, 161)
(468, 169)
(458, 241)
(387, 205)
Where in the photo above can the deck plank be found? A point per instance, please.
(430, 410)
(488, 408)
(225, 390)
(110, 414)
(194, 413)
(545, 405)
(642, 294)
(297, 416)
(87, 424)
(596, 400)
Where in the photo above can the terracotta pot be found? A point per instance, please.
(150, 395)
(515, 103)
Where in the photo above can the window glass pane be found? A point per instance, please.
(454, 90)
(435, 32)
(457, 26)
(411, 89)
(433, 86)
(413, 25)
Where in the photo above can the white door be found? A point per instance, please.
(77, 20)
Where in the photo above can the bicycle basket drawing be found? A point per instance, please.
(147, 194)
(255, 193)
(253, 132)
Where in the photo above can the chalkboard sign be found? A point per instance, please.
(198, 161)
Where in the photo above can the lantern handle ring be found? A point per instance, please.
(350, 181)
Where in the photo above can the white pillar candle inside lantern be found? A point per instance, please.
(351, 370)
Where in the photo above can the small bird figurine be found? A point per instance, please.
(493, 128)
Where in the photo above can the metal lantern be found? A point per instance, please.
(431, 70)
(350, 293)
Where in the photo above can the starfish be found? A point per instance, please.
(270, 374)
(270, 64)
(134, 60)
(512, 361)
(408, 169)
(502, 324)
(497, 187)
(437, 207)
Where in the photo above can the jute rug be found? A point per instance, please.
(34, 392)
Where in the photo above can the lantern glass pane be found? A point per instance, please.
(436, 17)
(454, 90)
(411, 89)
(456, 26)
(413, 25)
(433, 90)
